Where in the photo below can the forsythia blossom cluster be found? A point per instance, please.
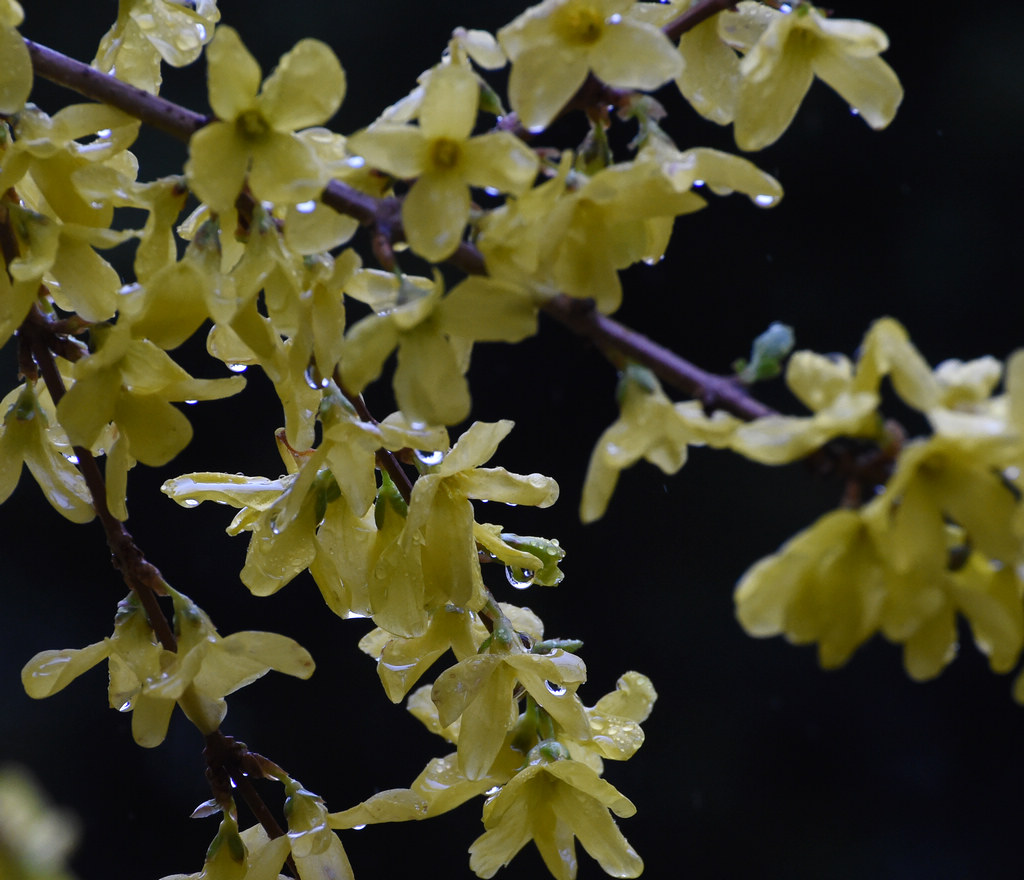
(383, 513)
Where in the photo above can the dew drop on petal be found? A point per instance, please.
(614, 19)
(429, 459)
(74, 459)
(358, 827)
(238, 368)
(492, 791)
(190, 502)
(491, 191)
(520, 578)
(191, 402)
(306, 207)
(355, 162)
(555, 689)
(126, 706)
(765, 201)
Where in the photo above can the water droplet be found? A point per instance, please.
(520, 578)
(358, 827)
(355, 162)
(126, 706)
(233, 784)
(492, 191)
(1011, 473)
(191, 502)
(429, 459)
(854, 111)
(311, 379)
(353, 615)
(201, 32)
(274, 527)
(191, 402)
(555, 689)
(74, 459)
(698, 183)
(765, 201)
(492, 791)
(306, 207)
(238, 368)
(614, 19)
(786, 8)
(104, 133)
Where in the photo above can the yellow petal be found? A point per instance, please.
(434, 214)
(15, 72)
(449, 105)
(306, 88)
(635, 55)
(52, 671)
(217, 164)
(234, 75)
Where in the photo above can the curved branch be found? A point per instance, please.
(384, 213)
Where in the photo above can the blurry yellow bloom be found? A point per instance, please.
(36, 839)
(15, 63)
(30, 436)
(445, 160)
(554, 45)
(619, 216)
(790, 51)
(553, 802)
(828, 387)
(254, 135)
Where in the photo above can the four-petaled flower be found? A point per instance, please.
(445, 160)
(553, 801)
(553, 46)
(255, 132)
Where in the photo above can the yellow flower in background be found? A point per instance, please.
(446, 160)
(255, 132)
(552, 802)
(553, 46)
(16, 68)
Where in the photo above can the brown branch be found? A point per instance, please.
(140, 575)
(384, 215)
(154, 111)
(694, 16)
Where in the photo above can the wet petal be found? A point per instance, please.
(234, 75)
(306, 88)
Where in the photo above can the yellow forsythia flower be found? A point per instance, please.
(255, 134)
(553, 46)
(789, 52)
(553, 802)
(445, 160)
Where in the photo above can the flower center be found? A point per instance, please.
(580, 24)
(251, 125)
(445, 154)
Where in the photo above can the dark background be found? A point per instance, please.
(756, 763)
